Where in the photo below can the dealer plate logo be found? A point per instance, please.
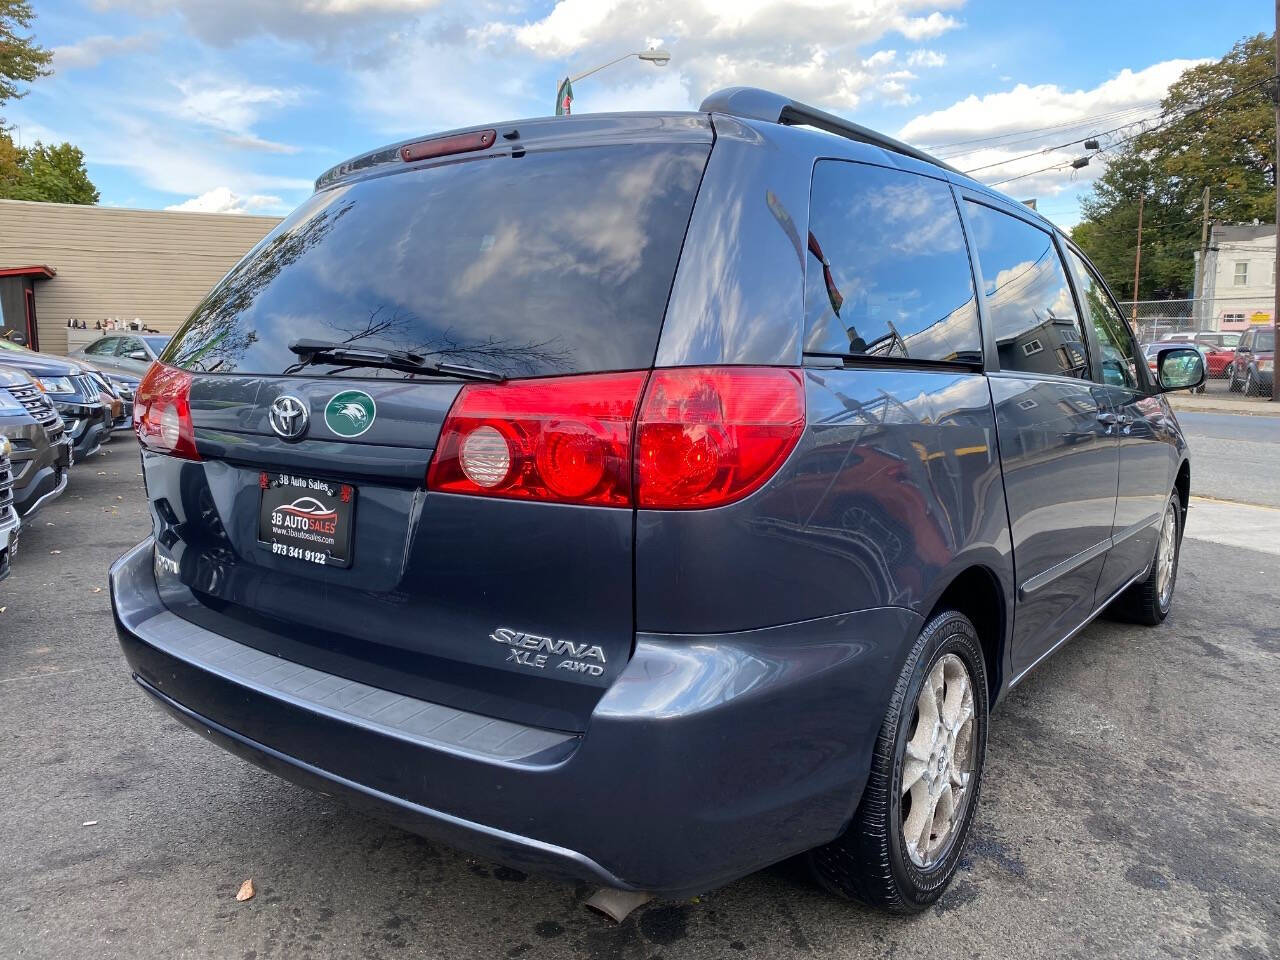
(350, 413)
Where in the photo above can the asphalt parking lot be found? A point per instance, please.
(1130, 807)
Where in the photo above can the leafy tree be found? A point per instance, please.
(54, 174)
(21, 59)
(1216, 129)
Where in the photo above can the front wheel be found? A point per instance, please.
(1232, 385)
(1250, 385)
(905, 840)
(1148, 601)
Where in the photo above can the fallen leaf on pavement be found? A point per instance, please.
(95, 589)
(246, 891)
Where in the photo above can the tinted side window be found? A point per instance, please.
(888, 273)
(1028, 299)
(102, 348)
(1114, 341)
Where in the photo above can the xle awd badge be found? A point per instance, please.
(350, 413)
(531, 650)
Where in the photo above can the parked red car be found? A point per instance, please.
(1219, 348)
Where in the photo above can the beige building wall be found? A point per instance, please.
(152, 264)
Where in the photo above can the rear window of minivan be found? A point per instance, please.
(558, 261)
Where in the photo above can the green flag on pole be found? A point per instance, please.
(564, 98)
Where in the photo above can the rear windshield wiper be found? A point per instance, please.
(347, 356)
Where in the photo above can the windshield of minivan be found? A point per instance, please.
(559, 261)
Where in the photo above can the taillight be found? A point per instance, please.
(707, 437)
(162, 412)
(560, 439)
(703, 437)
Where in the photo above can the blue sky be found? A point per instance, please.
(237, 105)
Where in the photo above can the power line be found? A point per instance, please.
(1057, 146)
(1120, 143)
(1083, 121)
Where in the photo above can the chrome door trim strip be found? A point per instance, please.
(1043, 579)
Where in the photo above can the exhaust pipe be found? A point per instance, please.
(617, 904)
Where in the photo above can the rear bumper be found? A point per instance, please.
(709, 758)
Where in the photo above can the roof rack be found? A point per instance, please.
(755, 104)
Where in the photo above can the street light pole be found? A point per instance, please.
(655, 55)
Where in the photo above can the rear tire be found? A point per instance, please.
(1148, 602)
(902, 847)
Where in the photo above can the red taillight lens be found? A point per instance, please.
(707, 437)
(162, 412)
(561, 439)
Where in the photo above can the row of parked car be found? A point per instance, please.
(56, 412)
(1245, 360)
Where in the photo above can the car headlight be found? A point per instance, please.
(9, 404)
(5, 447)
(1265, 364)
(56, 384)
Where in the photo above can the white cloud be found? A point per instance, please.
(223, 200)
(999, 118)
(1028, 107)
(324, 23)
(925, 28)
(233, 107)
(249, 141)
(91, 51)
(926, 58)
(810, 48)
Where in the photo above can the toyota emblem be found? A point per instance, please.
(289, 417)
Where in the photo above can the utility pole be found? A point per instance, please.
(1137, 260)
(1200, 305)
(1275, 171)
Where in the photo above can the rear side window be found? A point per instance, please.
(1028, 300)
(560, 261)
(888, 273)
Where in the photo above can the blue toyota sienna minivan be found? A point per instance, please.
(647, 498)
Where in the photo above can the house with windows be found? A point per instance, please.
(1239, 277)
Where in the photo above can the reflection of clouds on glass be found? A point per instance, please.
(556, 260)
(915, 220)
(600, 233)
(1024, 296)
(900, 282)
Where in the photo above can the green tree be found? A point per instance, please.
(54, 174)
(21, 58)
(1216, 129)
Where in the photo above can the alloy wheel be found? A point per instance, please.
(1166, 553)
(937, 771)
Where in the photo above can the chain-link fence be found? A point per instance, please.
(1153, 319)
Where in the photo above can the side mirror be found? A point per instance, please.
(138, 355)
(1180, 368)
